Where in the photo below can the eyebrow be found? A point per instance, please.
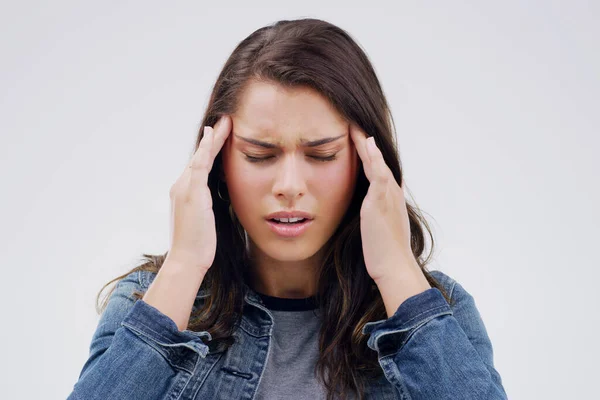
(304, 142)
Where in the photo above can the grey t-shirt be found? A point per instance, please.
(293, 353)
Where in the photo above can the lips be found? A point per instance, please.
(289, 230)
(290, 214)
(288, 222)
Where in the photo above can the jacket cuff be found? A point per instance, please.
(161, 331)
(389, 335)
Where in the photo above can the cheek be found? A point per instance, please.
(244, 182)
(336, 182)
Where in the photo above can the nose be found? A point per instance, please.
(290, 183)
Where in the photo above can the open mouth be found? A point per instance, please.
(289, 222)
(289, 229)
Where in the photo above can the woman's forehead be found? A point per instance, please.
(270, 111)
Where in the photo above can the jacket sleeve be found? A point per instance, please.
(430, 350)
(136, 351)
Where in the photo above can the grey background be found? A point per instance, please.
(496, 105)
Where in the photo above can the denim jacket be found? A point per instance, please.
(427, 350)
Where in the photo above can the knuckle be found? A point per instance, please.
(383, 178)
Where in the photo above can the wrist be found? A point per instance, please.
(185, 261)
(174, 290)
(396, 288)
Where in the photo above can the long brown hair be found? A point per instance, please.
(316, 54)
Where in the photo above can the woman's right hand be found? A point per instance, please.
(193, 231)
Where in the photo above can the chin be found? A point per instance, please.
(288, 251)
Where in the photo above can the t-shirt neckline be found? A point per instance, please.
(285, 304)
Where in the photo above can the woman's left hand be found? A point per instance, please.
(385, 228)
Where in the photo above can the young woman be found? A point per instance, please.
(296, 267)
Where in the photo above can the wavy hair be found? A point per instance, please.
(306, 53)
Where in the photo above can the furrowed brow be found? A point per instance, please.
(303, 142)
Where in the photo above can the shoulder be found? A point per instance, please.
(146, 278)
(455, 291)
(118, 303)
(128, 284)
(445, 280)
(466, 312)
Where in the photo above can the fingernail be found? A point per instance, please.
(371, 144)
(371, 140)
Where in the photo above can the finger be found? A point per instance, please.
(210, 144)
(379, 169)
(222, 131)
(201, 164)
(359, 137)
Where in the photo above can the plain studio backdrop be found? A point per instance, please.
(497, 113)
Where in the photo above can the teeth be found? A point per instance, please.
(289, 220)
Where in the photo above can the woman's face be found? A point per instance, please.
(291, 176)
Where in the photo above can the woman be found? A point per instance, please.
(296, 267)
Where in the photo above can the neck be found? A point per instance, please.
(284, 279)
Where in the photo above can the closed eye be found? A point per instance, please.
(263, 159)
